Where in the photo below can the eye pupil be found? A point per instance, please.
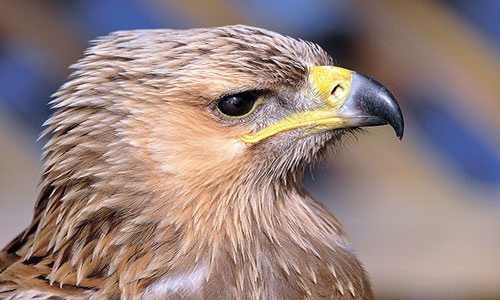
(237, 105)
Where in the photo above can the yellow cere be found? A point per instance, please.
(332, 84)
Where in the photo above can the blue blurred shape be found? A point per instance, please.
(457, 142)
(105, 16)
(484, 13)
(299, 17)
(23, 88)
(17, 82)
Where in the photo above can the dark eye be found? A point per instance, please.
(237, 105)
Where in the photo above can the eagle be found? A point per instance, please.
(173, 170)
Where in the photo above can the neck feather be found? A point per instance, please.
(90, 231)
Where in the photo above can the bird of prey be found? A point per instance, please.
(173, 171)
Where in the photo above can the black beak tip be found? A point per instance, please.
(395, 118)
(399, 129)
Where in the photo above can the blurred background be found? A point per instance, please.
(423, 214)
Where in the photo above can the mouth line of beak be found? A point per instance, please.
(326, 118)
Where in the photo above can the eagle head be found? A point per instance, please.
(180, 152)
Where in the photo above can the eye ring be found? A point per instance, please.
(238, 106)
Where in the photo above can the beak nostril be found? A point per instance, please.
(335, 89)
(338, 91)
(337, 95)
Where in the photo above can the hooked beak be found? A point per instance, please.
(370, 104)
(350, 100)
